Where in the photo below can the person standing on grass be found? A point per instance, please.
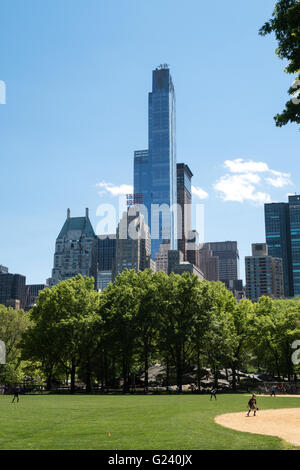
(16, 396)
(252, 405)
(273, 391)
(213, 393)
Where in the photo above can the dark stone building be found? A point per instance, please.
(12, 290)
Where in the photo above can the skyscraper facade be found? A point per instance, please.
(228, 255)
(106, 252)
(177, 265)
(106, 260)
(278, 239)
(264, 274)
(155, 169)
(161, 258)
(193, 249)
(209, 264)
(282, 222)
(12, 290)
(32, 293)
(294, 211)
(133, 243)
(184, 201)
(75, 249)
(3, 269)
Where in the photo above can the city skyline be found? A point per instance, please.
(78, 124)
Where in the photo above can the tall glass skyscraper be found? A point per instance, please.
(277, 223)
(155, 169)
(294, 206)
(184, 200)
(282, 222)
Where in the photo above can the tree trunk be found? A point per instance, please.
(179, 372)
(146, 368)
(198, 369)
(233, 378)
(125, 375)
(73, 372)
(49, 379)
(216, 373)
(167, 375)
(88, 382)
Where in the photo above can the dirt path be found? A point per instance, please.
(277, 395)
(283, 423)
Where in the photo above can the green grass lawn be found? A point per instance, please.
(134, 422)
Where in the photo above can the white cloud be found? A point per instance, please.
(279, 180)
(240, 166)
(240, 188)
(244, 178)
(199, 192)
(115, 190)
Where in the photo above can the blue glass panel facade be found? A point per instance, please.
(155, 172)
(106, 253)
(277, 224)
(294, 206)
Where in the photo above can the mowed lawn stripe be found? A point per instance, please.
(134, 422)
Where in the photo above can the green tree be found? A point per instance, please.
(13, 324)
(119, 308)
(285, 23)
(275, 329)
(242, 317)
(65, 320)
(149, 286)
(220, 340)
(180, 296)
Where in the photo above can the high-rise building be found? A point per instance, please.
(3, 269)
(142, 180)
(282, 222)
(104, 278)
(32, 293)
(184, 201)
(177, 265)
(294, 211)
(155, 169)
(161, 258)
(278, 238)
(12, 290)
(106, 252)
(209, 264)
(228, 255)
(193, 249)
(264, 274)
(133, 243)
(106, 260)
(75, 249)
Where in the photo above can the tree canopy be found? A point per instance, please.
(113, 338)
(285, 23)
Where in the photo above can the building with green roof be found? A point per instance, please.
(75, 249)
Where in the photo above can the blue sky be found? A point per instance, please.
(77, 75)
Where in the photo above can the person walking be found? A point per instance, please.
(213, 393)
(16, 396)
(273, 391)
